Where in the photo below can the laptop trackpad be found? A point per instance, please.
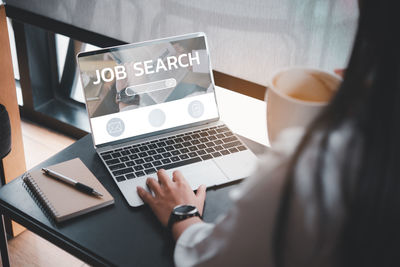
(205, 172)
(237, 165)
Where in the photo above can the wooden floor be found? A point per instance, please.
(28, 249)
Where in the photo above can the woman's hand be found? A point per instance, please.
(171, 193)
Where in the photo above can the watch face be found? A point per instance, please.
(185, 209)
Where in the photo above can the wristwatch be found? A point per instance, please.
(126, 96)
(182, 212)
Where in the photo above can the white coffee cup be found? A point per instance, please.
(296, 95)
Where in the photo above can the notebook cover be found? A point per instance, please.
(66, 201)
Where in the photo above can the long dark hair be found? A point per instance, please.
(369, 99)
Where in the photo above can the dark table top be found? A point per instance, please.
(116, 235)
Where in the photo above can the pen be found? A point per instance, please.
(79, 186)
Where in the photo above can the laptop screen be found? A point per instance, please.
(143, 88)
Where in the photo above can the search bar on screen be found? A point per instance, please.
(150, 87)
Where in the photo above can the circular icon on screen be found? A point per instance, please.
(156, 117)
(196, 109)
(115, 127)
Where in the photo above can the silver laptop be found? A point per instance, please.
(152, 105)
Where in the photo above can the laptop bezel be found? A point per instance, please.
(144, 43)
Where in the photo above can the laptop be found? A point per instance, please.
(152, 105)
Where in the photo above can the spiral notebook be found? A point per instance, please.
(62, 201)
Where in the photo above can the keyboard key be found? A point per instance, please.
(175, 152)
(184, 156)
(170, 142)
(105, 153)
(186, 144)
(122, 171)
(165, 161)
(138, 168)
(149, 171)
(125, 152)
(218, 148)
(192, 154)
(212, 138)
(216, 154)
(201, 146)
(169, 148)
(225, 152)
(193, 148)
(174, 159)
(206, 157)
(233, 150)
(210, 150)
(184, 150)
(218, 142)
(116, 155)
(107, 157)
(228, 134)
(212, 132)
(135, 150)
(112, 161)
(178, 140)
(133, 156)
(163, 139)
(233, 144)
(139, 161)
(151, 152)
(241, 148)
(178, 146)
(147, 165)
(117, 166)
(220, 135)
(130, 163)
(120, 178)
(195, 142)
(152, 146)
(139, 173)
(156, 157)
(161, 144)
(195, 136)
(229, 139)
(157, 163)
(130, 176)
(148, 159)
(143, 154)
(204, 140)
(180, 163)
(118, 149)
(223, 129)
(160, 150)
(201, 152)
(123, 159)
(143, 148)
(209, 144)
(187, 138)
(203, 134)
(167, 155)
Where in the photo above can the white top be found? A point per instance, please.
(243, 236)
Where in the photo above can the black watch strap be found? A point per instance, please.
(173, 218)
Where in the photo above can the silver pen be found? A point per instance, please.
(79, 186)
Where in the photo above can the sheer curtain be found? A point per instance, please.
(247, 39)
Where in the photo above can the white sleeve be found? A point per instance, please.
(248, 225)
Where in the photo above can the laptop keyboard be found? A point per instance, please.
(171, 152)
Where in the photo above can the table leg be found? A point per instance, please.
(3, 243)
